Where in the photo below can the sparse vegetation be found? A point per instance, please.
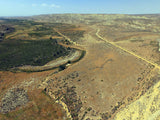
(40, 106)
(13, 99)
(74, 35)
(154, 43)
(117, 67)
(70, 98)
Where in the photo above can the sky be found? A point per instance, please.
(37, 7)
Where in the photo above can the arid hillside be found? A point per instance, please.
(116, 68)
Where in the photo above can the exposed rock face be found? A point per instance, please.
(12, 99)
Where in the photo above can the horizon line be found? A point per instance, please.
(82, 14)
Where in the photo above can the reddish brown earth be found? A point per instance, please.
(40, 105)
(102, 80)
(105, 77)
(96, 87)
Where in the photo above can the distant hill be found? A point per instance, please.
(88, 18)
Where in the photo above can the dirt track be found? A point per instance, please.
(114, 44)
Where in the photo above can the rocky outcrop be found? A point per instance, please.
(12, 99)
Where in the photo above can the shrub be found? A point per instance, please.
(62, 67)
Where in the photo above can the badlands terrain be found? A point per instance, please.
(80, 67)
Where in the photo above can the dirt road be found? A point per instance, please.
(112, 43)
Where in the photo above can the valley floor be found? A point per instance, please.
(116, 79)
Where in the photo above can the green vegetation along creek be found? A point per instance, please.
(15, 53)
(32, 43)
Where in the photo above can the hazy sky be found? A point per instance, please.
(36, 7)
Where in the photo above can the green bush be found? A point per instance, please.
(62, 67)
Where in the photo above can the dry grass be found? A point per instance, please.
(108, 78)
(40, 107)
